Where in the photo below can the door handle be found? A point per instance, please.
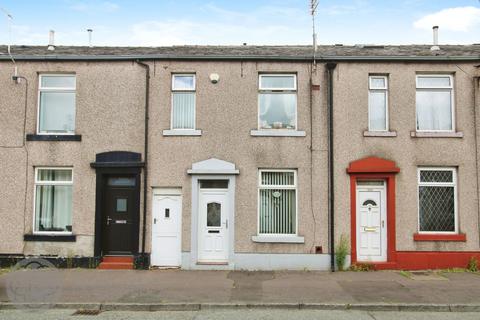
(383, 223)
(226, 224)
(154, 220)
(108, 220)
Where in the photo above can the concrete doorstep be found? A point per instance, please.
(243, 306)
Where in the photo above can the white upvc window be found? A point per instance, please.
(53, 201)
(435, 103)
(277, 101)
(183, 102)
(437, 200)
(56, 104)
(277, 205)
(377, 103)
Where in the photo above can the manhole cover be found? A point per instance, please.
(86, 312)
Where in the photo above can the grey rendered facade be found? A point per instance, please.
(110, 102)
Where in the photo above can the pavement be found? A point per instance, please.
(166, 290)
(67, 314)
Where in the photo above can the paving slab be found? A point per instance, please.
(159, 288)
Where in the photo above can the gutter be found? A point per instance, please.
(331, 192)
(235, 58)
(145, 160)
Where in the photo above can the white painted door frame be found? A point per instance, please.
(372, 231)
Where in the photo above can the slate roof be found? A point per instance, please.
(331, 52)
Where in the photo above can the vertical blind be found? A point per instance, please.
(277, 203)
(183, 116)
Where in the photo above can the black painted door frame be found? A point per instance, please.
(124, 163)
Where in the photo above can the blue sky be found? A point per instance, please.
(180, 22)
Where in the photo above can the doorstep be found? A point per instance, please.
(116, 263)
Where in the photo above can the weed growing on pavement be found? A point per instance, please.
(406, 274)
(362, 267)
(341, 252)
(472, 264)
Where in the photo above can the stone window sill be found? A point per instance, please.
(386, 134)
(278, 239)
(54, 137)
(182, 132)
(426, 134)
(440, 237)
(50, 237)
(277, 133)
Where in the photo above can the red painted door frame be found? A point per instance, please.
(373, 168)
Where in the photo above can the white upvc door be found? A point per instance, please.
(371, 223)
(213, 225)
(166, 231)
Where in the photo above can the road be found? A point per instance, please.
(236, 314)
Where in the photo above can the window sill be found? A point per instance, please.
(440, 237)
(380, 133)
(54, 137)
(182, 132)
(278, 239)
(50, 237)
(277, 133)
(432, 134)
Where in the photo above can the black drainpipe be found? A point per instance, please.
(145, 168)
(331, 193)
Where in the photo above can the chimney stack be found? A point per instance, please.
(51, 40)
(90, 37)
(435, 46)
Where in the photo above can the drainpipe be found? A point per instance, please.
(331, 192)
(476, 104)
(145, 169)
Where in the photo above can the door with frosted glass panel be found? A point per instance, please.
(213, 226)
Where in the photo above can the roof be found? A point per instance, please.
(246, 52)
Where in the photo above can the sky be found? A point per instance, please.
(230, 22)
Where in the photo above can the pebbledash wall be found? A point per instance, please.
(110, 117)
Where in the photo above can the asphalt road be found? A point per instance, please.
(237, 314)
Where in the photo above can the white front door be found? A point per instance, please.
(371, 222)
(166, 231)
(213, 225)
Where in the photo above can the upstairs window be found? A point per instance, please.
(56, 106)
(435, 111)
(437, 192)
(277, 202)
(378, 103)
(53, 200)
(183, 101)
(277, 101)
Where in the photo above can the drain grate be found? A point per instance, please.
(86, 312)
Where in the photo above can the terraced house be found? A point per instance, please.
(240, 157)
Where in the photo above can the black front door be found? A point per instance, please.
(120, 215)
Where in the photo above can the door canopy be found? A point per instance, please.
(213, 166)
(373, 165)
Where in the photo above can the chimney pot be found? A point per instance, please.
(90, 37)
(435, 46)
(51, 40)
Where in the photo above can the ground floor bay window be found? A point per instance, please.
(437, 203)
(53, 200)
(277, 202)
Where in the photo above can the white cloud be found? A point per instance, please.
(93, 7)
(265, 25)
(451, 19)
